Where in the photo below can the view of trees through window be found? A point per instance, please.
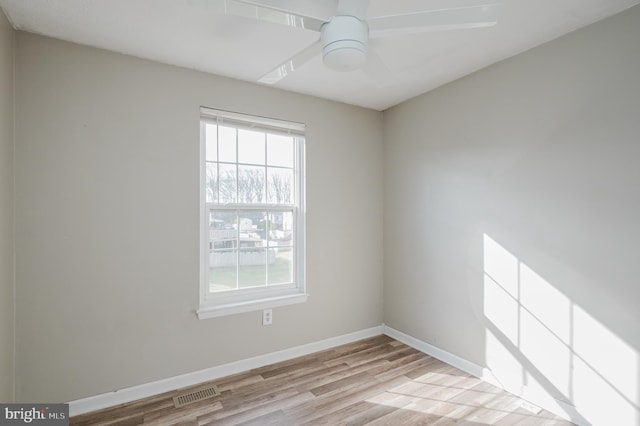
(245, 166)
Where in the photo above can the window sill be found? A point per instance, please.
(206, 312)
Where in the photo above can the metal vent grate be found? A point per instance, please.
(195, 396)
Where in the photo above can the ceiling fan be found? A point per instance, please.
(345, 36)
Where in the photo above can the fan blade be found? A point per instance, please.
(271, 13)
(357, 8)
(435, 20)
(291, 64)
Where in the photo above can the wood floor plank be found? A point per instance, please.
(377, 381)
(326, 405)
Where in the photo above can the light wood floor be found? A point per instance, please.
(377, 381)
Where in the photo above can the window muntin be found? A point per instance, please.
(253, 209)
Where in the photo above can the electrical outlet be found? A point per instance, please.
(267, 317)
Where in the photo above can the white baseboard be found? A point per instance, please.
(133, 393)
(557, 407)
(442, 355)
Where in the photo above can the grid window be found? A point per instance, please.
(252, 212)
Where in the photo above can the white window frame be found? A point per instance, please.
(215, 304)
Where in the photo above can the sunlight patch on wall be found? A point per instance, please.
(605, 363)
(541, 344)
(545, 318)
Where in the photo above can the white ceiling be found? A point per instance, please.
(198, 34)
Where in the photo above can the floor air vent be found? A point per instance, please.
(195, 396)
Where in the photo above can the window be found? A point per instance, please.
(252, 213)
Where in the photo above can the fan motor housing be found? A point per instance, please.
(345, 42)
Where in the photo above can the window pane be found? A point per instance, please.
(280, 186)
(223, 270)
(223, 230)
(252, 271)
(211, 146)
(250, 147)
(279, 150)
(280, 228)
(227, 183)
(223, 256)
(251, 184)
(252, 226)
(212, 183)
(227, 144)
(280, 265)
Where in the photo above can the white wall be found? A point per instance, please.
(107, 221)
(6, 210)
(512, 231)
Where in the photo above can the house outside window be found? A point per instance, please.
(252, 213)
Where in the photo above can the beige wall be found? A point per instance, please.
(512, 231)
(6, 211)
(107, 221)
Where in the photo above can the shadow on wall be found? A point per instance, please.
(541, 345)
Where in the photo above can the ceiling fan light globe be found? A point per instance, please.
(344, 43)
(345, 56)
